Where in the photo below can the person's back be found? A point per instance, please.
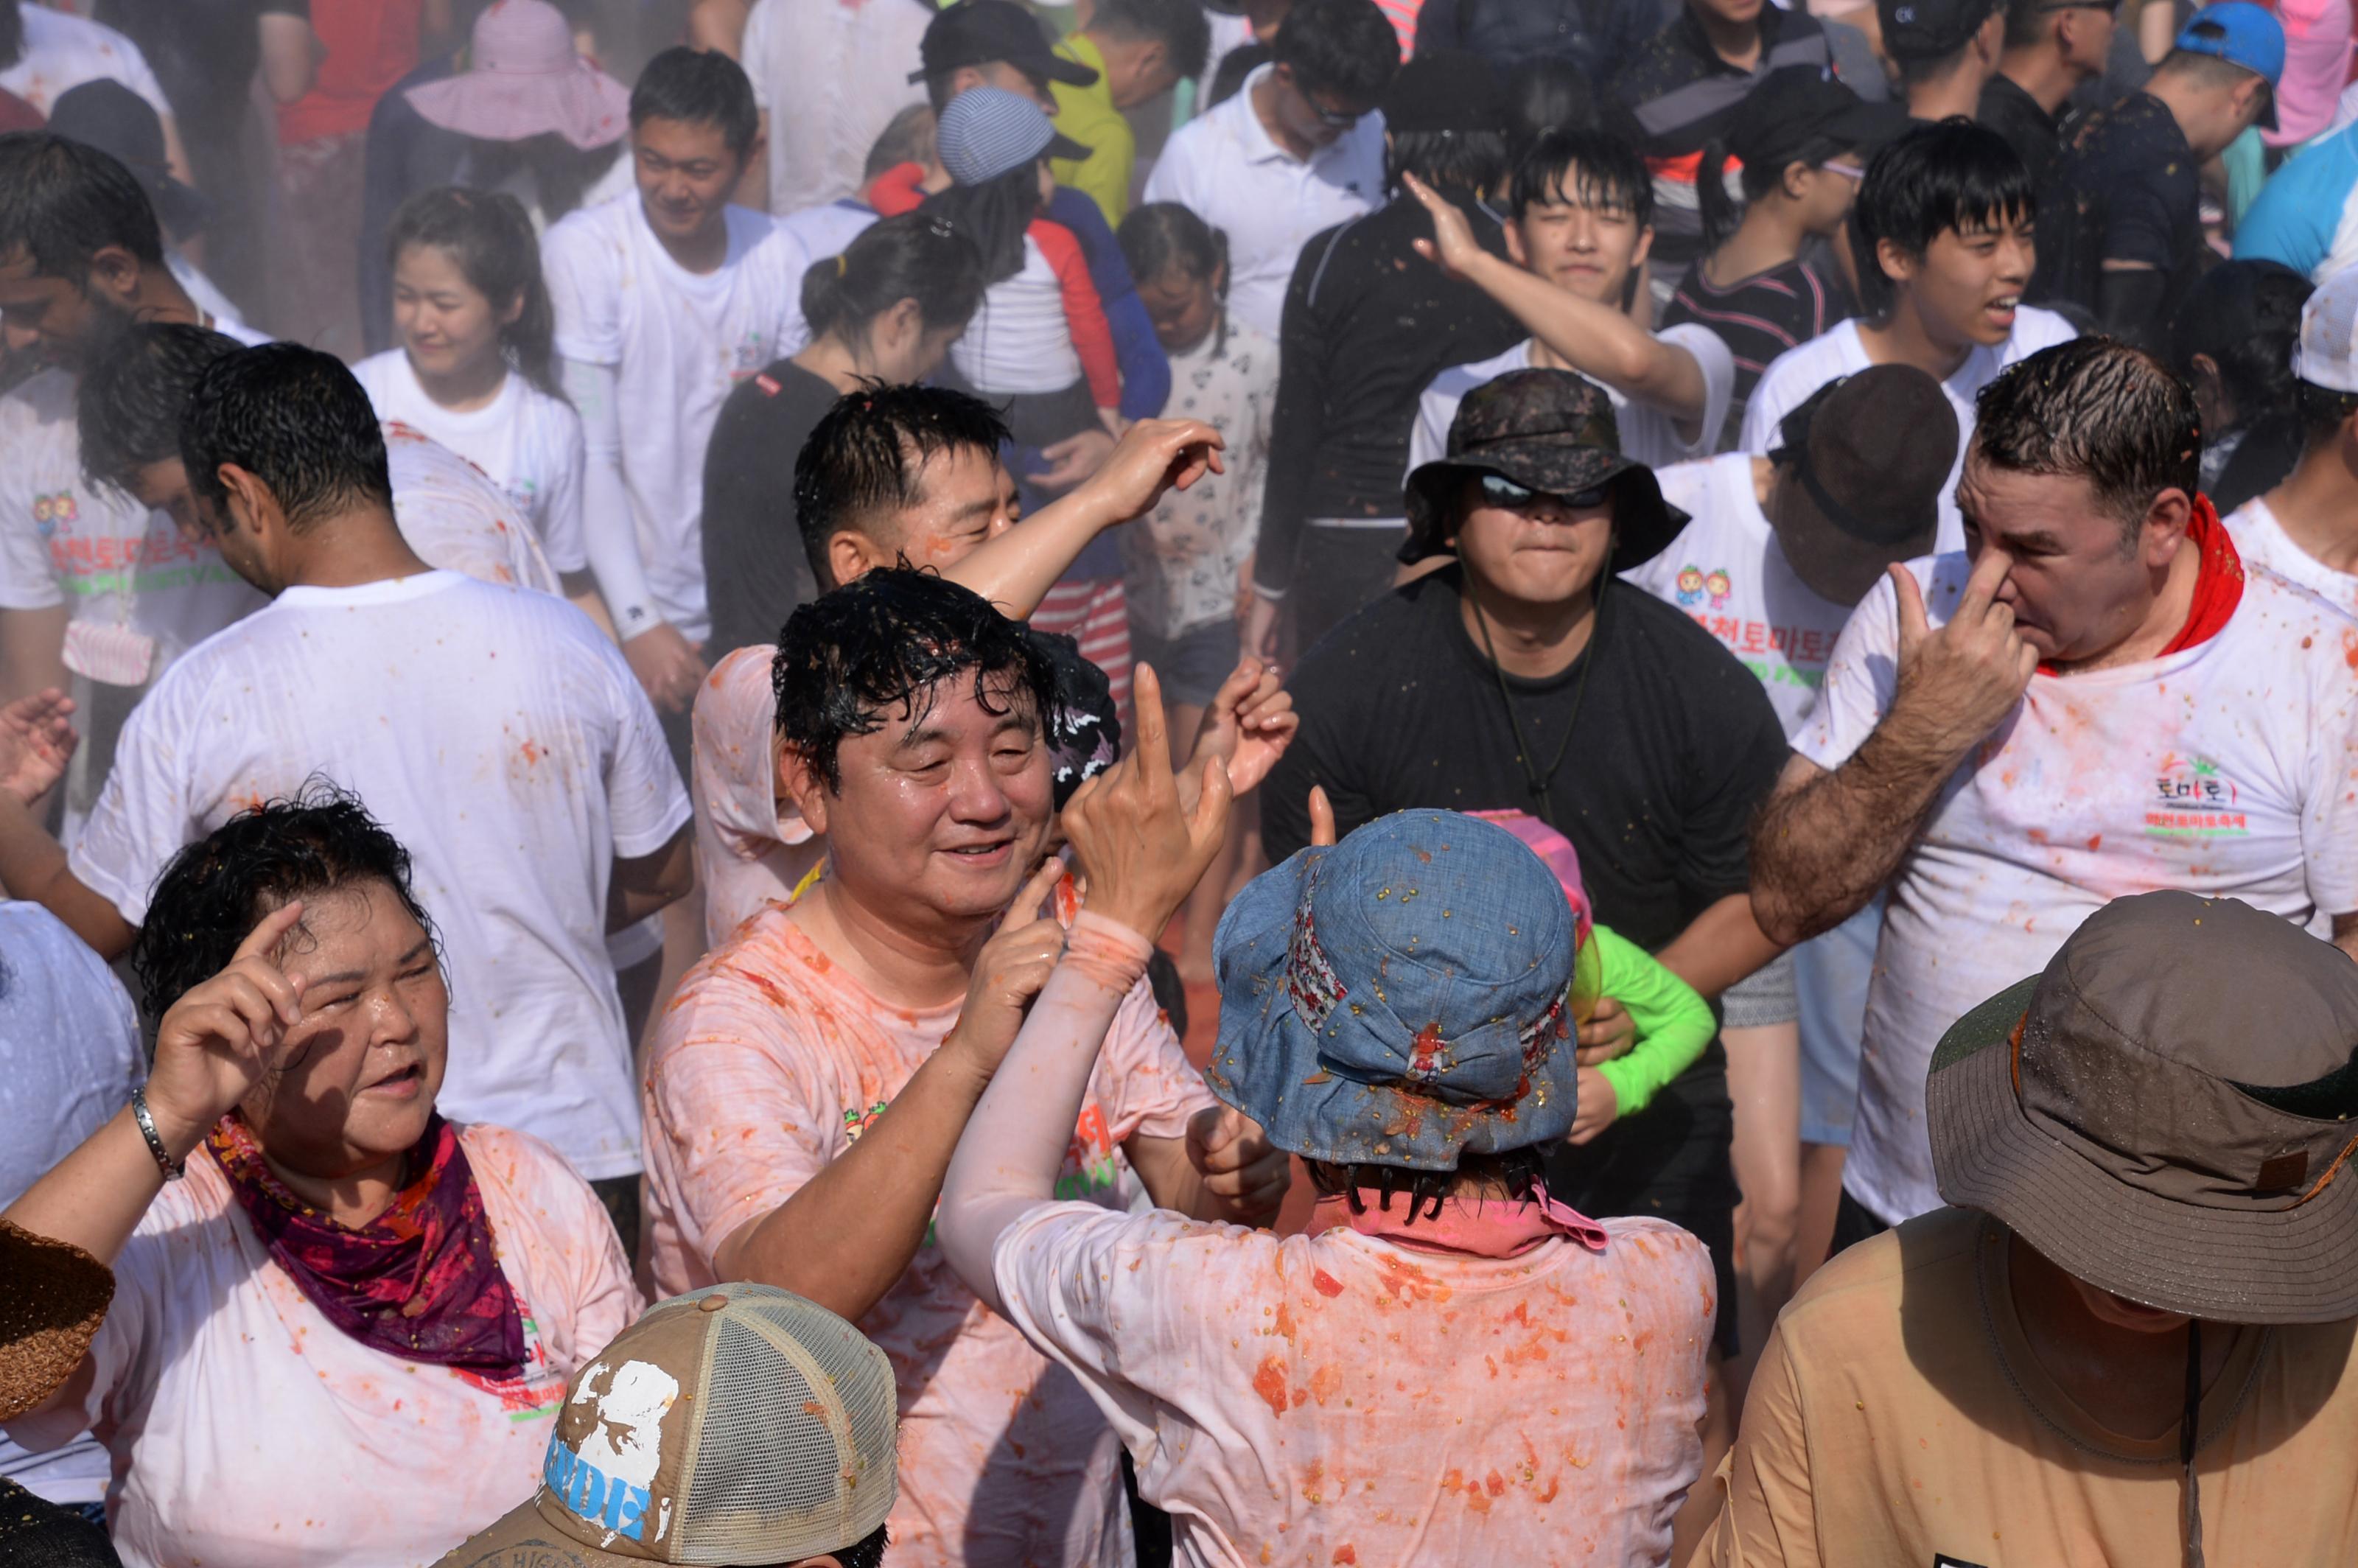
(1594, 36)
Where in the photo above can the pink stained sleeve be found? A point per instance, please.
(1084, 315)
(1014, 1144)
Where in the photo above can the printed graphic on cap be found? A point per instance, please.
(609, 1479)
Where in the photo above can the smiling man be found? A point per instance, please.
(1942, 232)
(813, 1075)
(2093, 699)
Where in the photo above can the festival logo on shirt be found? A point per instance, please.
(1719, 585)
(856, 1121)
(2193, 799)
(52, 512)
(534, 1394)
(749, 357)
(1691, 584)
(1088, 1162)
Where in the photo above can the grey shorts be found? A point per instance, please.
(1833, 969)
(1191, 666)
(1762, 1000)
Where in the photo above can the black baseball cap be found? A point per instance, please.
(1928, 29)
(1800, 104)
(976, 32)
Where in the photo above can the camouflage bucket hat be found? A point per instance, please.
(1549, 431)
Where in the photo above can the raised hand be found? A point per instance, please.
(1249, 725)
(1245, 1173)
(1957, 682)
(1322, 819)
(1010, 971)
(224, 1035)
(36, 741)
(1452, 247)
(668, 665)
(1145, 850)
(1153, 458)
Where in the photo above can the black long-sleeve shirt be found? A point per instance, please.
(1369, 323)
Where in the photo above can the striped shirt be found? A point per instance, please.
(1094, 612)
(1683, 95)
(1762, 316)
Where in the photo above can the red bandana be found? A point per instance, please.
(420, 1281)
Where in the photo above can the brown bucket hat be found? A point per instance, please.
(1869, 455)
(1545, 429)
(53, 1296)
(2169, 1111)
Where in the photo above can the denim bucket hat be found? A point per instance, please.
(1401, 997)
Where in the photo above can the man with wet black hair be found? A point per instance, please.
(813, 1074)
(493, 729)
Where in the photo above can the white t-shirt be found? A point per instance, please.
(528, 442)
(679, 341)
(63, 50)
(830, 78)
(1726, 569)
(1019, 340)
(1648, 434)
(2261, 540)
(1792, 375)
(2222, 769)
(247, 1429)
(450, 512)
(1224, 167)
(829, 229)
(70, 1059)
(513, 802)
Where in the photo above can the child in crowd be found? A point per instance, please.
(1770, 281)
(1189, 563)
(476, 370)
(1476, 1374)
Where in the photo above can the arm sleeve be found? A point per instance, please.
(1717, 362)
(560, 534)
(1014, 1144)
(1084, 317)
(1296, 428)
(1674, 1024)
(1862, 675)
(1145, 368)
(646, 802)
(1770, 1520)
(2139, 222)
(610, 536)
(27, 580)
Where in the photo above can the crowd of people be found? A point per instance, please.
(1320, 781)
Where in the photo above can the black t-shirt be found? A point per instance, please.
(2029, 130)
(1763, 315)
(755, 570)
(1675, 749)
(2126, 188)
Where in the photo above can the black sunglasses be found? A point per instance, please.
(1498, 490)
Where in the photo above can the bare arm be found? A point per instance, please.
(647, 884)
(1595, 340)
(1016, 570)
(847, 1236)
(1828, 840)
(32, 651)
(290, 57)
(36, 740)
(1723, 945)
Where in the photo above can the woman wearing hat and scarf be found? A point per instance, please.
(1449, 1367)
(342, 1324)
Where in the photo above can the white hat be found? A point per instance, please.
(2327, 354)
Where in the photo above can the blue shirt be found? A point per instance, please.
(2306, 215)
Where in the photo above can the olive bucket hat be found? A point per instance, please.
(1547, 430)
(1401, 997)
(2168, 1112)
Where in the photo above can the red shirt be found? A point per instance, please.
(372, 44)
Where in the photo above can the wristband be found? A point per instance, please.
(173, 1169)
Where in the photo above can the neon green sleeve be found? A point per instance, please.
(1674, 1024)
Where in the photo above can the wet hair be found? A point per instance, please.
(1952, 174)
(1545, 93)
(1346, 47)
(63, 202)
(698, 87)
(864, 455)
(1446, 160)
(1589, 167)
(296, 420)
(908, 257)
(490, 238)
(1520, 1173)
(216, 891)
(2098, 409)
(907, 137)
(2245, 316)
(129, 401)
(1084, 723)
(868, 1552)
(1235, 66)
(1179, 25)
(992, 216)
(851, 655)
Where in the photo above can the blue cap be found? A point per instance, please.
(986, 132)
(2241, 34)
(1402, 997)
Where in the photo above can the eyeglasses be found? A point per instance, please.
(1340, 119)
(1499, 491)
(1847, 170)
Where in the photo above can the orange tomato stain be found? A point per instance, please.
(1269, 1382)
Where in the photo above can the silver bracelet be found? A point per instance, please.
(173, 1169)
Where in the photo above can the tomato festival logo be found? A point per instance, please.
(2193, 799)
